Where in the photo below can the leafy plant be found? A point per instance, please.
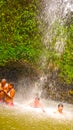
(19, 32)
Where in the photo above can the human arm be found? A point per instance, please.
(10, 94)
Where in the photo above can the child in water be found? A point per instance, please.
(60, 109)
(37, 104)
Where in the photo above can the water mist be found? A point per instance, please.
(52, 11)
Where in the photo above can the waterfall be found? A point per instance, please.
(55, 10)
(53, 16)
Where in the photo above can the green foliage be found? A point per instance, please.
(58, 33)
(19, 32)
(20, 38)
(66, 61)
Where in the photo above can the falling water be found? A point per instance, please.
(52, 10)
(55, 12)
(27, 89)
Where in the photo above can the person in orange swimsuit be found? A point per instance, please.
(1, 93)
(2, 84)
(9, 94)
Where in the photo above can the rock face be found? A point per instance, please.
(56, 89)
(14, 70)
(24, 77)
(19, 73)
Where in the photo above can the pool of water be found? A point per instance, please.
(22, 117)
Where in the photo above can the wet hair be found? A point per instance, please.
(60, 104)
(37, 98)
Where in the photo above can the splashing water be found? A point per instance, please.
(22, 102)
(27, 90)
(23, 117)
(50, 108)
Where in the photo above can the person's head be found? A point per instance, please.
(60, 107)
(3, 82)
(11, 85)
(37, 98)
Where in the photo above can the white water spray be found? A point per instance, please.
(53, 10)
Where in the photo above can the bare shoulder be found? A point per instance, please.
(6, 85)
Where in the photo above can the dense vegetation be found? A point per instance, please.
(66, 61)
(21, 40)
(60, 50)
(19, 32)
(63, 57)
(59, 53)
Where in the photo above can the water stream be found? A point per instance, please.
(24, 117)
